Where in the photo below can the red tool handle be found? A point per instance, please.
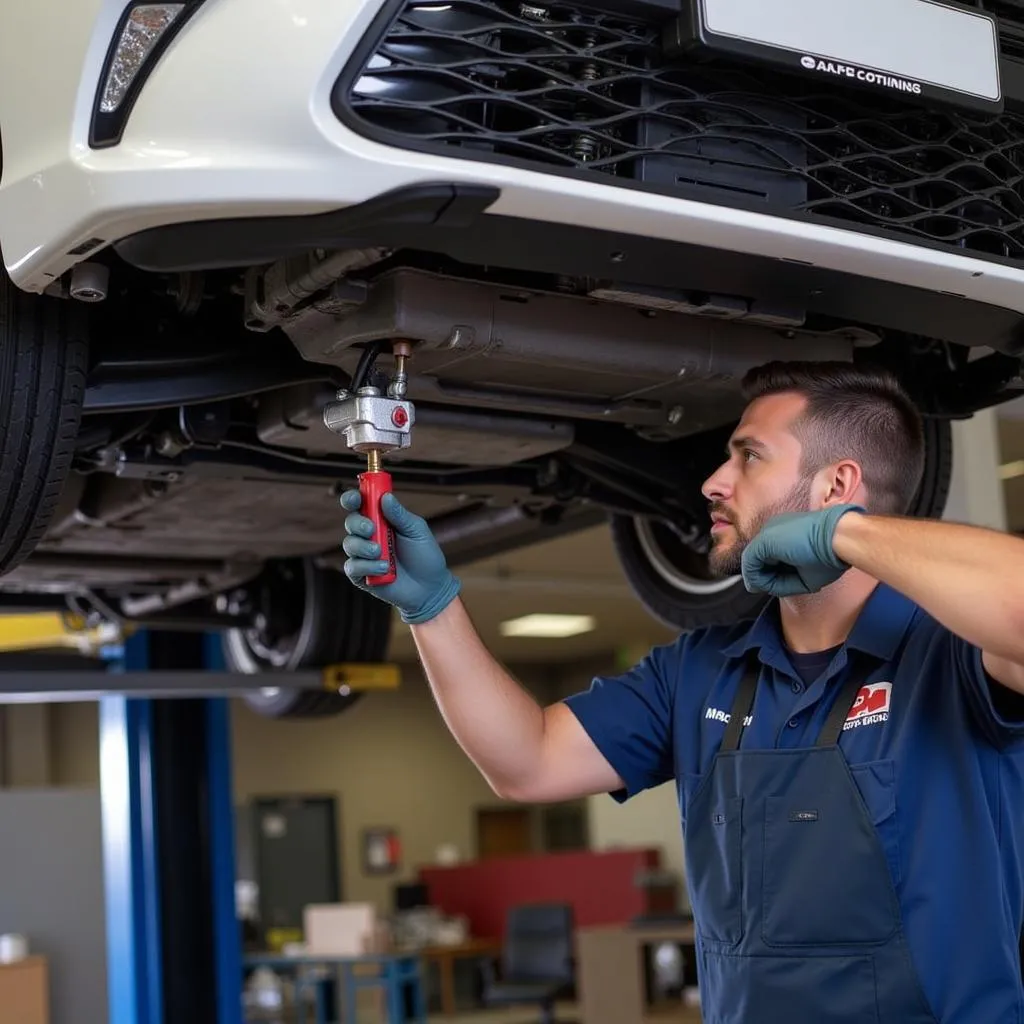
(373, 485)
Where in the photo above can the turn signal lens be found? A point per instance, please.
(142, 35)
(141, 32)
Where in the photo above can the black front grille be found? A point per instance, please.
(580, 92)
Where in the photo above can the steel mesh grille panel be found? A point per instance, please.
(564, 89)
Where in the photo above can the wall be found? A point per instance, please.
(976, 491)
(47, 744)
(1011, 449)
(28, 745)
(390, 760)
(647, 819)
(24, 745)
(74, 744)
(51, 862)
(650, 819)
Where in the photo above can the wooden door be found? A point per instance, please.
(502, 831)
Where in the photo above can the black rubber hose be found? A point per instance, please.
(366, 361)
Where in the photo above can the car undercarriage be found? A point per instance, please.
(544, 404)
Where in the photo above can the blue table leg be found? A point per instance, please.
(321, 1001)
(348, 982)
(408, 972)
(394, 993)
(420, 996)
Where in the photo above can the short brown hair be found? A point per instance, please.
(854, 412)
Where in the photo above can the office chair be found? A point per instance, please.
(537, 962)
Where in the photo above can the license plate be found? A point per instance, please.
(915, 48)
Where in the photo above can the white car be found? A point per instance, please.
(587, 219)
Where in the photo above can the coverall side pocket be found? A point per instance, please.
(715, 867)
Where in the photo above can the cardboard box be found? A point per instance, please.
(343, 929)
(24, 991)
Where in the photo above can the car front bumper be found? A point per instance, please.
(239, 120)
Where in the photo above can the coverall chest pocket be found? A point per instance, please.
(826, 871)
(715, 867)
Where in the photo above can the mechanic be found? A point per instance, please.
(850, 764)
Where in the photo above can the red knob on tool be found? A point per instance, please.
(373, 485)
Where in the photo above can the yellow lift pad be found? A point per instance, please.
(362, 676)
(40, 631)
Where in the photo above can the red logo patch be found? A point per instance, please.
(871, 705)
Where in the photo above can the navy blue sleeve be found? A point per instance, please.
(998, 710)
(629, 718)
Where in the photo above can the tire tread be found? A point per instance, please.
(43, 359)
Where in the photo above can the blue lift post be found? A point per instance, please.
(226, 928)
(173, 939)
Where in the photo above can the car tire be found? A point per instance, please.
(43, 361)
(671, 580)
(326, 620)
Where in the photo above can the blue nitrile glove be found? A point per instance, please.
(792, 554)
(423, 586)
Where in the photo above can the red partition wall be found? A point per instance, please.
(601, 886)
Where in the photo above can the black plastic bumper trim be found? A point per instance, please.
(241, 242)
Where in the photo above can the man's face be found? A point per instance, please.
(761, 478)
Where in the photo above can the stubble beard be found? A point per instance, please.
(727, 561)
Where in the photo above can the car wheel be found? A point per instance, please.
(308, 617)
(43, 361)
(671, 579)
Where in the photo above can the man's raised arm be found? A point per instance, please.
(527, 753)
(969, 578)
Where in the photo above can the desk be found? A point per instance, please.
(445, 957)
(393, 972)
(610, 969)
